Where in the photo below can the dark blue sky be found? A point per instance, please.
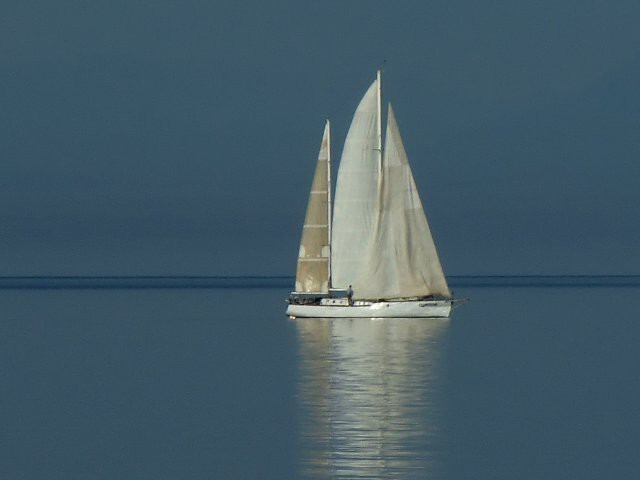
(180, 137)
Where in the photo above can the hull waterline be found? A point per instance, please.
(411, 309)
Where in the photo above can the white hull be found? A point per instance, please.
(408, 309)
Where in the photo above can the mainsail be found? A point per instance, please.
(401, 259)
(312, 274)
(356, 193)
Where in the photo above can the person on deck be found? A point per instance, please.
(350, 295)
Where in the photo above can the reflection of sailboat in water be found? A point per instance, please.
(369, 398)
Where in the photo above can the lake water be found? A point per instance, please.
(525, 383)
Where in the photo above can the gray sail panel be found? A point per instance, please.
(312, 273)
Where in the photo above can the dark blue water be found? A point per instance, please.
(523, 383)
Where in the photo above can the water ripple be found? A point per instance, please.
(369, 398)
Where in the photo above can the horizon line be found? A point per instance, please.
(462, 275)
(285, 281)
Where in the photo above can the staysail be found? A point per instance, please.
(401, 259)
(356, 193)
(312, 274)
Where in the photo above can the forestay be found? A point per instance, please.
(401, 258)
(312, 274)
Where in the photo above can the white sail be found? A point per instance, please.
(356, 193)
(401, 259)
(312, 274)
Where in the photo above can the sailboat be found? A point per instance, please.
(374, 255)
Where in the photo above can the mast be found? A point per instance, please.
(329, 196)
(379, 122)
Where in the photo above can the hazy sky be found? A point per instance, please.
(180, 137)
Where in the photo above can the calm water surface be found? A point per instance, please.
(523, 383)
